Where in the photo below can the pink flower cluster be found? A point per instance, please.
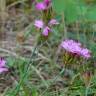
(75, 48)
(43, 5)
(46, 29)
(3, 67)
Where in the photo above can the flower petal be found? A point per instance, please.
(39, 23)
(46, 30)
(2, 62)
(3, 70)
(53, 22)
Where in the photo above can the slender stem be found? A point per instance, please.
(24, 75)
(65, 28)
(77, 30)
(30, 61)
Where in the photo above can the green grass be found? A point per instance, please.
(43, 72)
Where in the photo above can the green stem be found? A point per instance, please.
(65, 28)
(30, 61)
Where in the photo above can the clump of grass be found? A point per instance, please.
(49, 67)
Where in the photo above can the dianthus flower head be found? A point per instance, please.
(40, 6)
(75, 48)
(3, 67)
(43, 5)
(46, 29)
(71, 46)
(39, 23)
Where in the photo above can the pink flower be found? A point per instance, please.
(75, 48)
(39, 23)
(71, 46)
(46, 30)
(53, 22)
(40, 6)
(3, 67)
(43, 5)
